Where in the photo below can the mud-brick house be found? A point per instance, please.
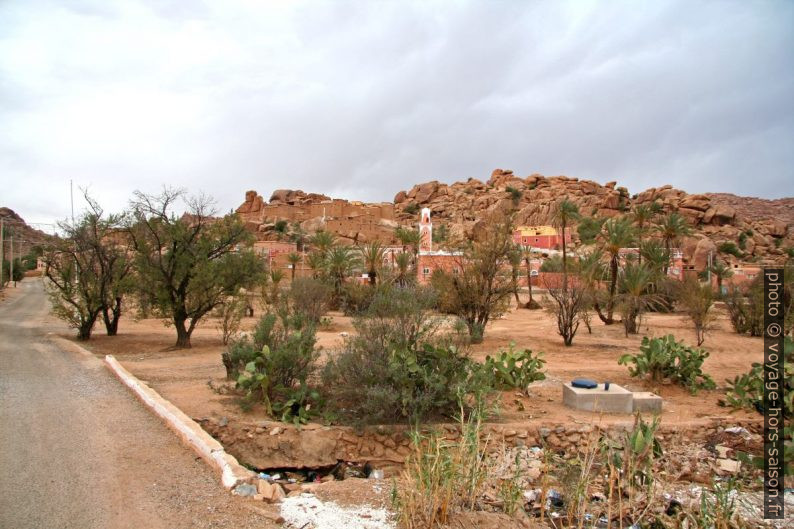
(542, 237)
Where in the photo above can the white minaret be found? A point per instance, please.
(425, 232)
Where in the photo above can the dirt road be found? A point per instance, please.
(78, 451)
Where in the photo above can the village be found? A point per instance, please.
(396, 265)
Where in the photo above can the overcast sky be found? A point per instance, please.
(362, 99)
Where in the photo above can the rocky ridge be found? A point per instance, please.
(761, 229)
(25, 237)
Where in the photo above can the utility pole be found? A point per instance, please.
(71, 199)
(2, 257)
(11, 260)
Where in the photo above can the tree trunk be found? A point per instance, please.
(613, 283)
(564, 261)
(372, 277)
(182, 334)
(111, 316)
(84, 331)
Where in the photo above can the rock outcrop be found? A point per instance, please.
(761, 229)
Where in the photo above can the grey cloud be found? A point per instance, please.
(363, 99)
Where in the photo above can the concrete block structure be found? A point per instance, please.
(615, 400)
(646, 402)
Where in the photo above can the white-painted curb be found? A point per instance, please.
(232, 473)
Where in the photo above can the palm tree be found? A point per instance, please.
(721, 271)
(298, 236)
(672, 228)
(565, 213)
(514, 257)
(526, 253)
(642, 215)
(341, 262)
(408, 237)
(618, 233)
(372, 254)
(323, 241)
(293, 259)
(636, 294)
(403, 261)
(316, 263)
(275, 278)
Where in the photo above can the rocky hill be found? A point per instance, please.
(762, 230)
(25, 237)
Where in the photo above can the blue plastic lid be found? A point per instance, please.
(585, 383)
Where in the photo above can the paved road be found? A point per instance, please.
(77, 450)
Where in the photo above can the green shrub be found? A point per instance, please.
(278, 357)
(515, 194)
(664, 358)
(399, 366)
(310, 297)
(552, 265)
(747, 391)
(356, 298)
(514, 369)
(746, 310)
(729, 248)
(412, 208)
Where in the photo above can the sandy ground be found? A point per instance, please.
(78, 450)
(183, 376)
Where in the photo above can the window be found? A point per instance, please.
(426, 271)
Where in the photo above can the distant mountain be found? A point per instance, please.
(25, 237)
(762, 230)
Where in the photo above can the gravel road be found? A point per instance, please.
(77, 450)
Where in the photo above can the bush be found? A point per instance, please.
(311, 298)
(664, 358)
(729, 248)
(398, 367)
(747, 391)
(279, 357)
(514, 369)
(355, 298)
(412, 208)
(746, 312)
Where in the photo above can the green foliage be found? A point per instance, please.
(310, 297)
(30, 260)
(515, 194)
(479, 288)
(398, 366)
(552, 265)
(281, 226)
(186, 266)
(514, 369)
(729, 248)
(747, 391)
(664, 358)
(299, 406)
(278, 358)
(411, 208)
(440, 233)
(589, 228)
(742, 241)
(88, 271)
(746, 310)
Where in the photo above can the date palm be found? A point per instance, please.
(721, 270)
(408, 238)
(642, 216)
(293, 259)
(618, 234)
(323, 242)
(404, 262)
(636, 294)
(316, 263)
(372, 255)
(565, 213)
(526, 254)
(672, 228)
(342, 261)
